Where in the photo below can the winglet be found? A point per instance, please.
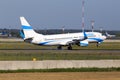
(85, 35)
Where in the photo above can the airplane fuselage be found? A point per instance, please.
(62, 39)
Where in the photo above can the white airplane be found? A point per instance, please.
(109, 35)
(68, 39)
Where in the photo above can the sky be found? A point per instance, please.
(54, 14)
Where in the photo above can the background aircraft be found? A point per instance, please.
(109, 35)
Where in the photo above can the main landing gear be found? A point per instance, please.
(59, 47)
(69, 47)
(97, 44)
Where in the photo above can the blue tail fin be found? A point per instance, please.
(27, 31)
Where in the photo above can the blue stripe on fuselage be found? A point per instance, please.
(96, 39)
(44, 43)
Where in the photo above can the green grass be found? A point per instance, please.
(26, 51)
(63, 70)
(56, 56)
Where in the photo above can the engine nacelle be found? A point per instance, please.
(84, 43)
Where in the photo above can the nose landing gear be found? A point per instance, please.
(69, 47)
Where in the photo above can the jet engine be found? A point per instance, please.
(84, 43)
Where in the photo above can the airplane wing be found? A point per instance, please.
(74, 41)
(66, 42)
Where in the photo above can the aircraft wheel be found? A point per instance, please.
(69, 47)
(97, 44)
(59, 47)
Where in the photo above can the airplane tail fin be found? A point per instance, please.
(27, 32)
(106, 34)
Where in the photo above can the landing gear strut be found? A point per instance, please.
(69, 47)
(97, 44)
(59, 47)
